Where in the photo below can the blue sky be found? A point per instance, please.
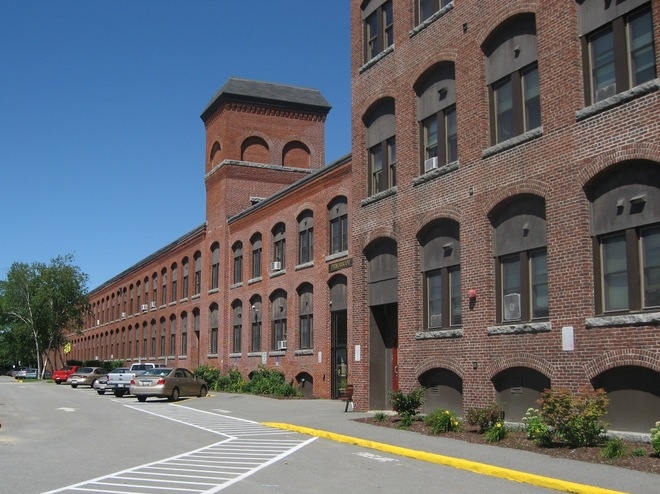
(101, 144)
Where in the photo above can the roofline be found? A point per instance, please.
(151, 257)
(295, 185)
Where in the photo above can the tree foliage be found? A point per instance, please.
(40, 303)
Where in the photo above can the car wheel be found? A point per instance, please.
(142, 398)
(57, 381)
(120, 394)
(74, 386)
(202, 392)
(100, 391)
(175, 395)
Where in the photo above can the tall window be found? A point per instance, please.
(163, 337)
(174, 293)
(436, 111)
(130, 299)
(617, 44)
(154, 286)
(305, 237)
(215, 265)
(278, 318)
(256, 255)
(338, 214)
(237, 252)
(186, 267)
(378, 20)
(513, 79)
(441, 253)
(627, 238)
(213, 324)
(279, 246)
(381, 146)
(172, 351)
(163, 291)
(184, 333)
(520, 250)
(237, 326)
(306, 314)
(426, 8)
(255, 322)
(198, 273)
(153, 340)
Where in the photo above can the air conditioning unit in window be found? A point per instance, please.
(153, 305)
(144, 307)
(605, 92)
(435, 321)
(98, 322)
(275, 266)
(430, 164)
(512, 307)
(123, 315)
(281, 345)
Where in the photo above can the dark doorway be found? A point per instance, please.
(383, 371)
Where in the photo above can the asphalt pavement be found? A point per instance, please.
(327, 419)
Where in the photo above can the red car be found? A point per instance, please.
(60, 376)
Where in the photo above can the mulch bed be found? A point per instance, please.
(516, 439)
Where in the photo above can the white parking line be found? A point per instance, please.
(247, 448)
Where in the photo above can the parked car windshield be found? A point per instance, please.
(84, 370)
(157, 372)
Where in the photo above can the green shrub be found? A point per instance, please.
(496, 432)
(613, 448)
(638, 452)
(270, 382)
(655, 438)
(233, 382)
(380, 417)
(406, 405)
(210, 374)
(536, 429)
(575, 417)
(440, 421)
(484, 417)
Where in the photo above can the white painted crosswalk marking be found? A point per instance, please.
(246, 448)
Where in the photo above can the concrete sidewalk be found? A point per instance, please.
(327, 419)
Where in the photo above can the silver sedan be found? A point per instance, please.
(170, 383)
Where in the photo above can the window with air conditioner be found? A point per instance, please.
(618, 44)
(522, 274)
(281, 345)
(275, 266)
(436, 113)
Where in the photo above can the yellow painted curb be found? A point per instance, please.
(471, 466)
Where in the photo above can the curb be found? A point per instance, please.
(471, 466)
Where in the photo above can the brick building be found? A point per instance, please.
(506, 202)
(264, 280)
(503, 197)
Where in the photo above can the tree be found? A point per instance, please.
(46, 301)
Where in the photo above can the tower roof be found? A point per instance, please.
(268, 93)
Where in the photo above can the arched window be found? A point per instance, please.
(436, 113)
(255, 322)
(237, 326)
(440, 249)
(237, 253)
(215, 265)
(278, 320)
(521, 259)
(306, 314)
(381, 146)
(338, 215)
(279, 247)
(513, 78)
(617, 43)
(213, 325)
(305, 237)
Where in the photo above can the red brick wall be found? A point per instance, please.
(555, 166)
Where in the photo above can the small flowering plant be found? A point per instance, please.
(536, 429)
(440, 421)
(655, 438)
(497, 432)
